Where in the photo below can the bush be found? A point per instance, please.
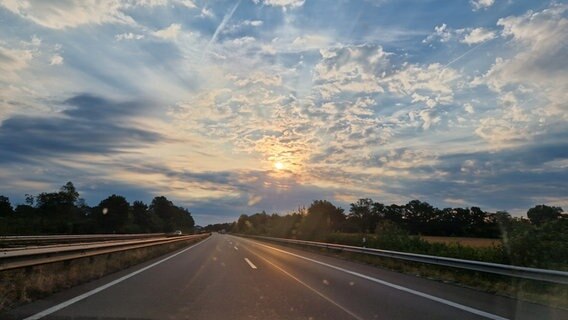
(544, 246)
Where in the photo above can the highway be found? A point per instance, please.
(227, 277)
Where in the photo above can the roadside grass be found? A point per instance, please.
(23, 285)
(416, 244)
(554, 295)
(464, 241)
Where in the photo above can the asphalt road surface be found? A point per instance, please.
(227, 277)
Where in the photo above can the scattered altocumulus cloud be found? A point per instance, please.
(198, 101)
(281, 3)
(478, 35)
(481, 4)
(56, 60)
(443, 33)
(128, 36)
(69, 14)
(170, 32)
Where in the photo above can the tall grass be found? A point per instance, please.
(398, 241)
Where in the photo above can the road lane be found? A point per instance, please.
(373, 300)
(215, 281)
(365, 298)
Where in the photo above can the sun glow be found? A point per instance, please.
(279, 165)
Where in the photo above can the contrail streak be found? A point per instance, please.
(221, 26)
(465, 54)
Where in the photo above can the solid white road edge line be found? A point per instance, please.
(250, 263)
(392, 285)
(85, 295)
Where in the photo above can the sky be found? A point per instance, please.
(233, 107)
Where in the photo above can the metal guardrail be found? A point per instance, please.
(13, 259)
(554, 276)
(19, 241)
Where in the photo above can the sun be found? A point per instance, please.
(279, 165)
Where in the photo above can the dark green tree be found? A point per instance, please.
(322, 217)
(112, 214)
(394, 213)
(417, 215)
(543, 213)
(6, 209)
(173, 217)
(69, 193)
(57, 210)
(363, 214)
(144, 219)
(243, 224)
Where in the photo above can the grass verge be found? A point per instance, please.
(19, 286)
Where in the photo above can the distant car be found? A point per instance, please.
(177, 233)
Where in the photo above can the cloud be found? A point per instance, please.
(282, 3)
(352, 107)
(239, 26)
(308, 42)
(254, 23)
(254, 200)
(478, 35)
(351, 69)
(221, 25)
(14, 59)
(206, 13)
(502, 133)
(56, 14)
(128, 36)
(91, 125)
(56, 60)
(444, 34)
(169, 33)
(145, 3)
(435, 81)
(496, 178)
(536, 67)
(481, 4)
(243, 41)
(187, 3)
(69, 14)
(441, 33)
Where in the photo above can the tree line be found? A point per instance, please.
(416, 217)
(539, 241)
(65, 212)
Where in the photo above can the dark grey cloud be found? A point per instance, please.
(508, 179)
(91, 125)
(529, 156)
